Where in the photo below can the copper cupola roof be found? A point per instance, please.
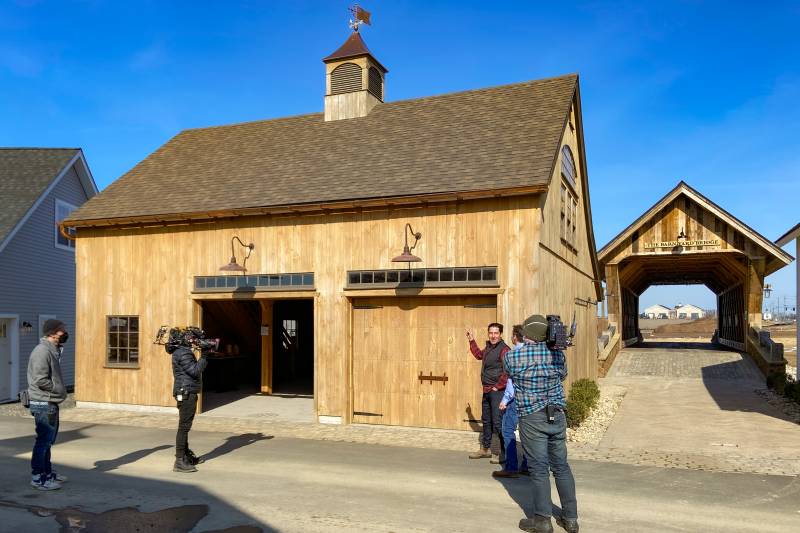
(354, 46)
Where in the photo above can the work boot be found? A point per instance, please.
(482, 453)
(192, 459)
(569, 524)
(181, 465)
(537, 524)
(504, 473)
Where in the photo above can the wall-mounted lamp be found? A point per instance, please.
(767, 290)
(233, 266)
(407, 256)
(26, 328)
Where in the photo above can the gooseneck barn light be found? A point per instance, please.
(233, 266)
(407, 256)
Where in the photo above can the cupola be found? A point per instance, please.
(354, 79)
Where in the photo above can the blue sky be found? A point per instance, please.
(701, 91)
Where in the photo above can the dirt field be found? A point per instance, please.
(787, 334)
(702, 328)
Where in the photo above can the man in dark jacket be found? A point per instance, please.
(186, 370)
(493, 381)
(45, 391)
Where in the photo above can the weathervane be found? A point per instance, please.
(360, 16)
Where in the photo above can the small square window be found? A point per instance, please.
(366, 277)
(418, 276)
(460, 274)
(474, 274)
(392, 276)
(286, 280)
(380, 277)
(405, 276)
(354, 278)
(446, 275)
(308, 280)
(431, 275)
(489, 274)
(199, 283)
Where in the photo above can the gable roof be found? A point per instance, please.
(25, 174)
(496, 139)
(787, 237)
(684, 189)
(660, 306)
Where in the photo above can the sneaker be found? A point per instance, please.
(569, 524)
(495, 460)
(504, 473)
(192, 459)
(45, 482)
(58, 477)
(181, 465)
(482, 453)
(537, 524)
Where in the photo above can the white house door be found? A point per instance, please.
(5, 359)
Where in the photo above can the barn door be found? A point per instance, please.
(411, 361)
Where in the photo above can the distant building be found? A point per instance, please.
(785, 239)
(687, 311)
(657, 311)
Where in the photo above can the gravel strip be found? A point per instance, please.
(788, 407)
(595, 426)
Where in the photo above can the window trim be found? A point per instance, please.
(56, 235)
(109, 364)
(569, 216)
(571, 181)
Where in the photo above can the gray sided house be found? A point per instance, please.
(39, 187)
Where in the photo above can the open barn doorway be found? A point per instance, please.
(264, 367)
(678, 313)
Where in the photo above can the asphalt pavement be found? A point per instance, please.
(121, 480)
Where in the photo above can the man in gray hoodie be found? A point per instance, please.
(46, 390)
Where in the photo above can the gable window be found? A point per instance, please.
(568, 166)
(122, 341)
(569, 217)
(63, 209)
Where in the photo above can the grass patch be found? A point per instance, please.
(582, 398)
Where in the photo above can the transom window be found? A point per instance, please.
(569, 216)
(63, 209)
(423, 277)
(302, 281)
(568, 166)
(123, 341)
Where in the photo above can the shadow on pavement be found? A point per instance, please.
(677, 345)
(91, 501)
(233, 443)
(132, 457)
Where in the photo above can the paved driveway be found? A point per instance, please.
(695, 399)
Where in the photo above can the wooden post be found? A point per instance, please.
(266, 346)
(614, 295)
(755, 292)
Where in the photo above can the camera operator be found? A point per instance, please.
(537, 371)
(186, 370)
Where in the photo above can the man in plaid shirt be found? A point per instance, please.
(537, 372)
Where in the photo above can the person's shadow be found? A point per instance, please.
(113, 464)
(234, 443)
(520, 491)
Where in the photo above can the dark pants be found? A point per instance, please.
(490, 418)
(46, 419)
(545, 447)
(186, 410)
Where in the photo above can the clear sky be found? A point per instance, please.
(701, 91)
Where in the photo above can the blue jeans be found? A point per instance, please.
(545, 446)
(46, 418)
(508, 425)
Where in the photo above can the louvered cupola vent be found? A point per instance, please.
(375, 83)
(346, 78)
(354, 81)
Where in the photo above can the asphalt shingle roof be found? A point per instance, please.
(494, 138)
(25, 173)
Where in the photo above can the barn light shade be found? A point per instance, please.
(681, 235)
(407, 256)
(233, 266)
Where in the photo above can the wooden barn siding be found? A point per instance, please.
(149, 272)
(39, 279)
(565, 274)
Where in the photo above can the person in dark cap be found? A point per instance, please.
(46, 391)
(537, 372)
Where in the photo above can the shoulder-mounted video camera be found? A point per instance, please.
(557, 336)
(190, 337)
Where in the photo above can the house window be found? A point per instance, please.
(568, 166)
(289, 334)
(569, 217)
(63, 209)
(123, 341)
